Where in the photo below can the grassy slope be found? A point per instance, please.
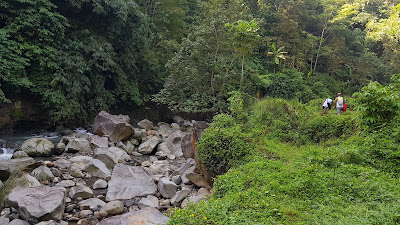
(322, 179)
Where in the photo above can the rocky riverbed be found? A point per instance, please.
(120, 174)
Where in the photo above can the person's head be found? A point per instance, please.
(339, 94)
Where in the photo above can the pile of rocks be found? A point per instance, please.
(119, 175)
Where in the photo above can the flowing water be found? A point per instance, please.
(15, 141)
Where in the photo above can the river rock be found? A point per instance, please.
(66, 183)
(116, 127)
(111, 156)
(147, 216)
(80, 191)
(97, 169)
(148, 146)
(43, 173)
(174, 143)
(40, 203)
(78, 164)
(11, 165)
(62, 164)
(159, 167)
(149, 201)
(187, 146)
(98, 142)
(198, 180)
(93, 203)
(78, 145)
(4, 221)
(179, 196)
(128, 182)
(113, 207)
(19, 154)
(146, 124)
(202, 195)
(100, 184)
(18, 222)
(166, 187)
(37, 147)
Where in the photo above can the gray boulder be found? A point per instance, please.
(147, 216)
(40, 203)
(78, 145)
(37, 147)
(111, 156)
(148, 146)
(98, 142)
(166, 187)
(149, 201)
(129, 182)
(146, 124)
(117, 127)
(19, 154)
(11, 165)
(174, 143)
(80, 191)
(43, 173)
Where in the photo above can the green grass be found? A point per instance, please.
(304, 175)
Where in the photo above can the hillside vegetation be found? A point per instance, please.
(283, 162)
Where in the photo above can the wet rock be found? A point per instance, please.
(113, 208)
(149, 201)
(100, 184)
(129, 182)
(78, 145)
(40, 203)
(149, 145)
(146, 124)
(37, 147)
(43, 173)
(111, 156)
(166, 187)
(117, 127)
(148, 216)
(80, 191)
(19, 154)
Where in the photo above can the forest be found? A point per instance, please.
(77, 57)
(262, 68)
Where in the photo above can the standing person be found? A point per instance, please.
(326, 105)
(339, 102)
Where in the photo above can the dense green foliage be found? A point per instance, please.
(305, 166)
(77, 57)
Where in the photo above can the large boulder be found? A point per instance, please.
(111, 156)
(43, 173)
(174, 143)
(37, 147)
(147, 216)
(39, 203)
(11, 165)
(117, 127)
(78, 145)
(128, 182)
(148, 146)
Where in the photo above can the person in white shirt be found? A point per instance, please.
(326, 105)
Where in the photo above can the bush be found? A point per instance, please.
(223, 145)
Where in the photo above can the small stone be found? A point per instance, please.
(146, 163)
(103, 213)
(80, 191)
(100, 184)
(74, 218)
(84, 207)
(66, 183)
(68, 200)
(70, 208)
(165, 203)
(6, 212)
(176, 179)
(84, 214)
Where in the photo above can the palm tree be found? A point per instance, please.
(276, 54)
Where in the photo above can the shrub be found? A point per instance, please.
(223, 145)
